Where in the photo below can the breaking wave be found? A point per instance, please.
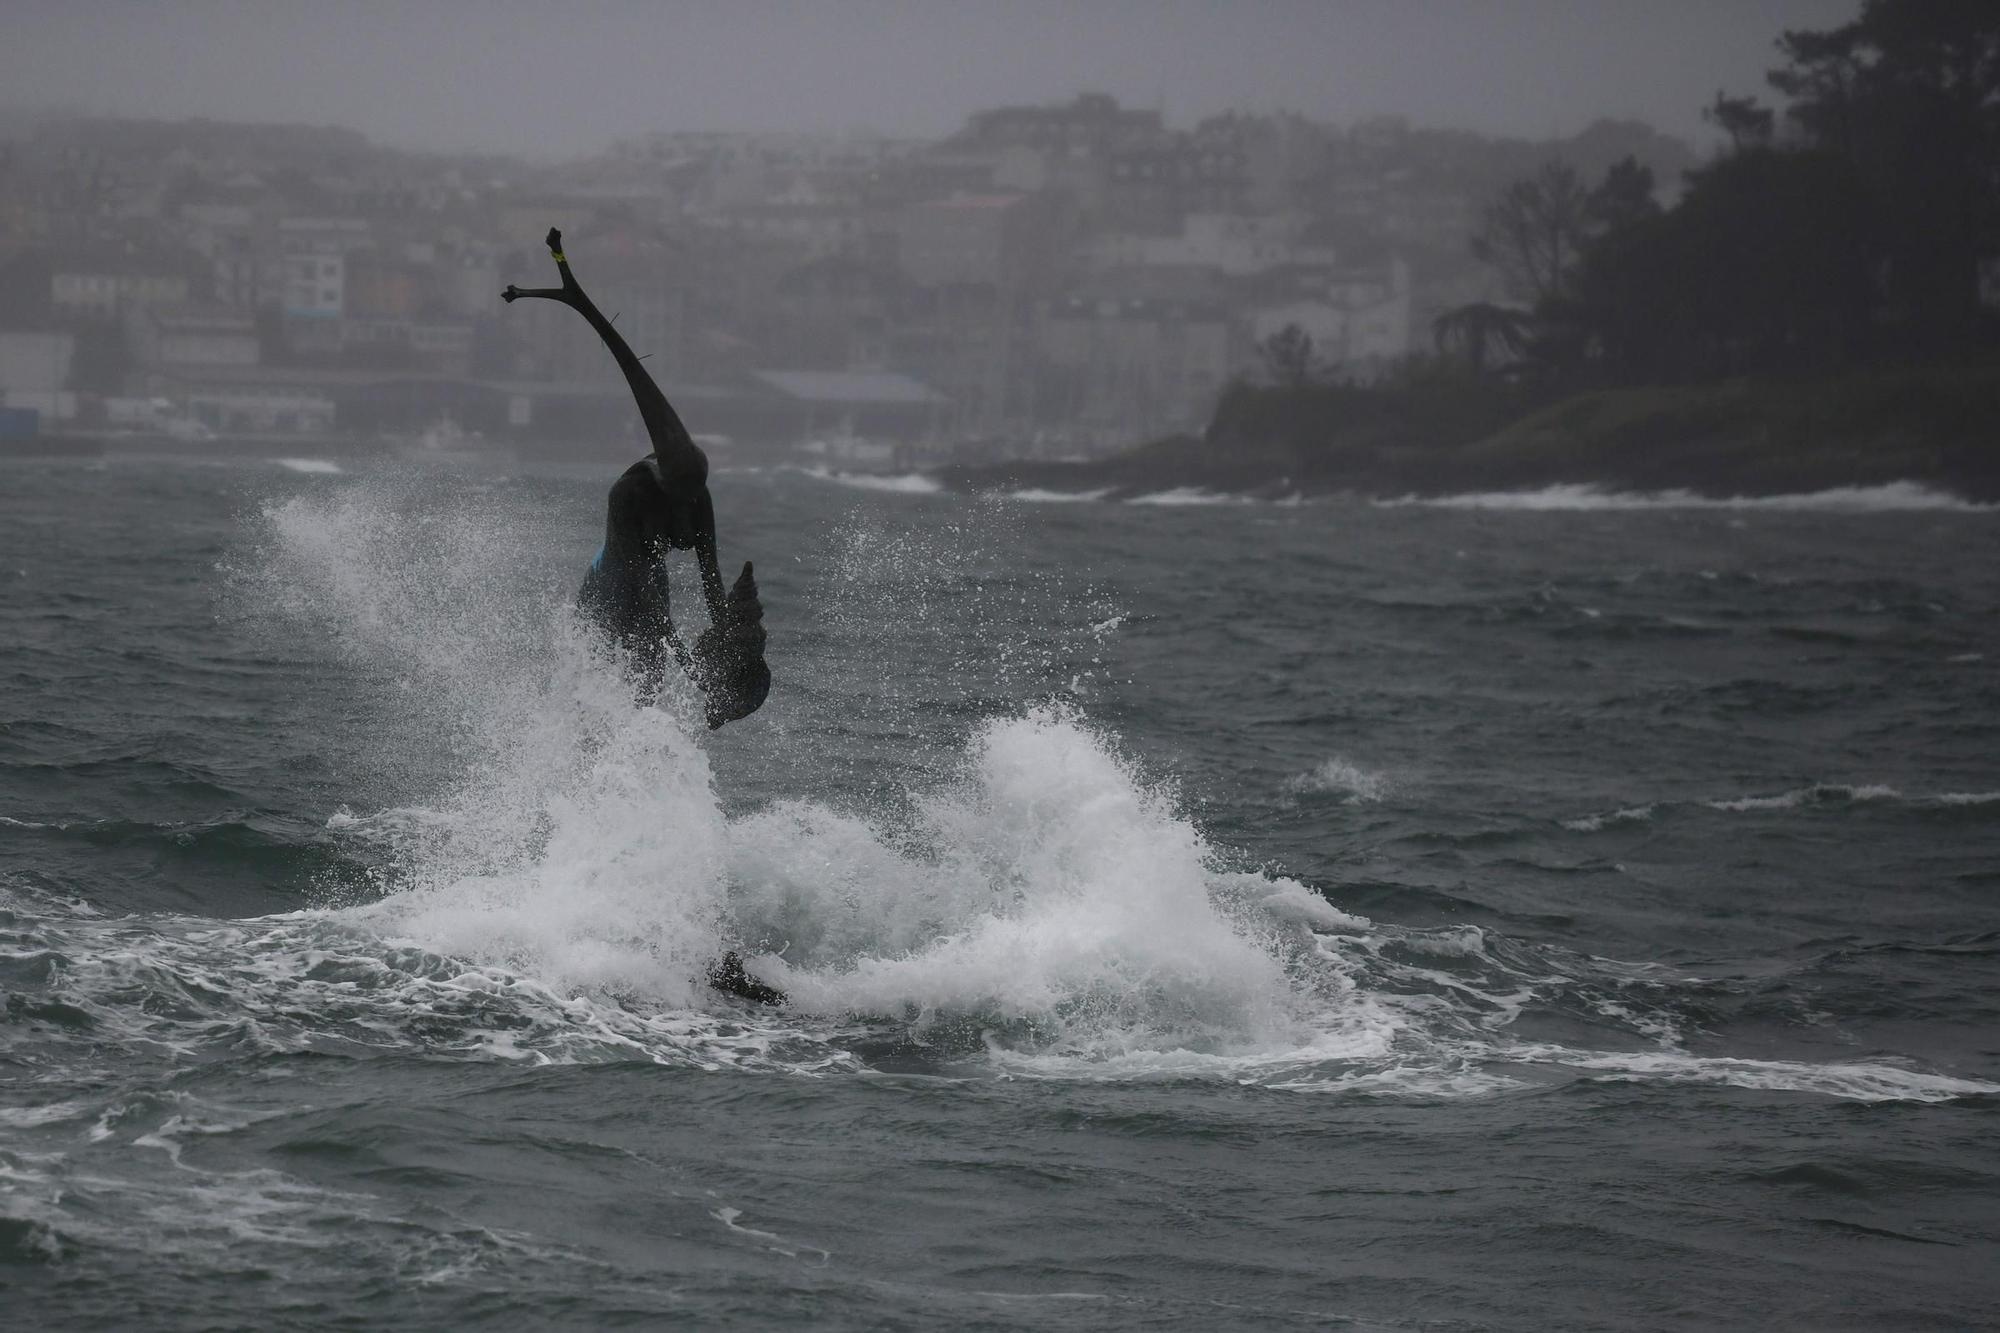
(1187, 495)
(1034, 495)
(907, 483)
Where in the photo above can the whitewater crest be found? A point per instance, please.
(890, 483)
(1048, 890)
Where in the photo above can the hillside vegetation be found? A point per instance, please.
(1936, 425)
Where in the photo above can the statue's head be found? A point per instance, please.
(682, 506)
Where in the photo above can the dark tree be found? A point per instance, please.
(1288, 357)
(1764, 266)
(1623, 199)
(1909, 94)
(1747, 124)
(1482, 335)
(1822, 76)
(1535, 231)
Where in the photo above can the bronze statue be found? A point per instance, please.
(661, 504)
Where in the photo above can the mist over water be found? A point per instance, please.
(1168, 898)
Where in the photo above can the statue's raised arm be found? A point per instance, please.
(672, 444)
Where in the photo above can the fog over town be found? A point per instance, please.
(1010, 230)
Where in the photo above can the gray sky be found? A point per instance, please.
(568, 76)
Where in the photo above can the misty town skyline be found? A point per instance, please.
(1062, 275)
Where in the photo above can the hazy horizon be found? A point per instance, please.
(544, 81)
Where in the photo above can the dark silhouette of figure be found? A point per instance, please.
(661, 504)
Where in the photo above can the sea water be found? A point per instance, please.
(1529, 911)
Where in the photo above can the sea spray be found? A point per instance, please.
(1026, 896)
(565, 832)
(1049, 886)
(581, 841)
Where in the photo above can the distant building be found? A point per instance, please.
(254, 400)
(1359, 321)
(442, 346)
(1151, 184)
(226, 234)
(999, 240)
(813, 230)
(273, 409)
(110, 282)
(1142, 365)
(34, 372)
(396, 342)
(375, 286)
(1090, 123)
(841, 405)
(1235, 244)
(314, 254)
(971, 342)
(186, 338)
(836, 313)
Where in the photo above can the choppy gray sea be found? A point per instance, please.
(1517, 912)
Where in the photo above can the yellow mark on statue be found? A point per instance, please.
(559, 256)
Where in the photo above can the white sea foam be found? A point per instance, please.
(314, 466)
(1820, 793)
(1814, 795)
(1049, 888)
(908, 483)
(1891, 497)
(1186, 495)
(1033, 495)
(1335, 776)
(773, 1241)
(1594, 823)
(98, 1197)
(53, 1113)
(1853, 1081)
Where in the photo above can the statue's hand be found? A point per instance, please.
(554, 239)
(511, 294)
(729, 655)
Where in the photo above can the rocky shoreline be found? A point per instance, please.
(1937, 428)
